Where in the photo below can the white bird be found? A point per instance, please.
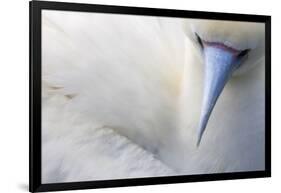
(131, 96)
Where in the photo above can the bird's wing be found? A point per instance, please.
(75, 149)
(119, 70)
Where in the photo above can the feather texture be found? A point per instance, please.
(122, 96)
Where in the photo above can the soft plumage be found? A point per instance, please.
(122, 94)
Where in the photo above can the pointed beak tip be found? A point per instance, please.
(201, 129)
(198, 144)
(198, 141)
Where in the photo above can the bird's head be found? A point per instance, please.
(228, 49)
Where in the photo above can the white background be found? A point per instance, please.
(14, 71)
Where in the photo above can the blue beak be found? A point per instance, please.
(219, 66)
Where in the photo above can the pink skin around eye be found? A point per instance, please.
(222, 46)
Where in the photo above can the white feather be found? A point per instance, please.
(122, 98)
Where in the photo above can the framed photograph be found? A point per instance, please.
(126, 96)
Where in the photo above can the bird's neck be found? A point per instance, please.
(182, 138)
(191, 92)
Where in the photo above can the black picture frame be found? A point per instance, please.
(36, 7)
